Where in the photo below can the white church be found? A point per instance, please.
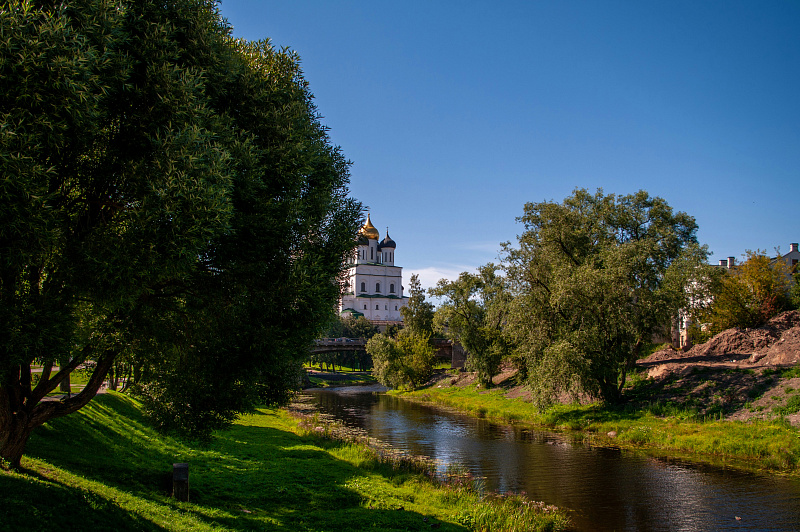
(374, 285)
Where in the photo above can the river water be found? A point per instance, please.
(606, 489)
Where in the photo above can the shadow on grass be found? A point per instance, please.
(33, 503)
(250, 477)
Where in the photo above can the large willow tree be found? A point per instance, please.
(594, 277)
(168, 198)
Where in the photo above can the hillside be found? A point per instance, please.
(740, 373)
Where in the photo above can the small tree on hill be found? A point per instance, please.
(418, 313)
(405, 362)
(749, 294)
(473, 313)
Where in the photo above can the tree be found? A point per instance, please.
(473, 313)
(360, 327)
(418, 313)
(405, 362)
(593, 278)
(749, 294)
(175, 202)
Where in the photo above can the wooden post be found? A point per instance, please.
(180, 482)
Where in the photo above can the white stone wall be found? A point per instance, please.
(366, 268)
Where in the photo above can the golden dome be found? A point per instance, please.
(369, 230)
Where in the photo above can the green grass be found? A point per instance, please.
(658, 426)
(347, 379)
(792, 406)
(103, 468)
(78, 379)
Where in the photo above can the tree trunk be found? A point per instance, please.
(112, 378)
(22, 409)
(13, 442)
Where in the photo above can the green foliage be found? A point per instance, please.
(473, 313)
(593, 278)
(359, 327)
(749, 294)
(418, 313)
(351, 327)
(794, 292)
(792, 406)
(176, 204)
(405, 362)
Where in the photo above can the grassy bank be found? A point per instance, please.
(103, 468)
(770, 445)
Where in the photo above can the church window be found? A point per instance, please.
(391, 288)
(377, 307)
(386, 307)
(378, 287)
(363, 287)
(365, 307)
(395, 307)
(371, 253)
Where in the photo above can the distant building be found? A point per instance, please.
(792, 259)
(374, 284)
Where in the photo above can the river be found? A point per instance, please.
(605, 489)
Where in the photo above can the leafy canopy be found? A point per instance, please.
(170, 199)
(749, 294)
(404, 362)
(593, 278)
(417, 313)
(473, 313)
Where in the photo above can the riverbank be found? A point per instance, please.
(104, 468)
(646, 423)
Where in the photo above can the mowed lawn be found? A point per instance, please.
(103, 468)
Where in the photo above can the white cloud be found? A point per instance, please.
(430, 275)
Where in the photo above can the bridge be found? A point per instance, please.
(445, 349)
(327, 345)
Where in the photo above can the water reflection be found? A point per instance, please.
(607, 489)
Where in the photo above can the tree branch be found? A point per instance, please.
(51, 409)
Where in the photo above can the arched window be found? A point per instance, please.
(395, 307)
(377, 307)
(391, 288)
(365, 307)
(371, 253)
(363, 287)
(378, 287)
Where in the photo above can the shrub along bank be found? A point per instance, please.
(656, 427)
(105, 469)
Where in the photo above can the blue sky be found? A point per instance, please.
(457, 113)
